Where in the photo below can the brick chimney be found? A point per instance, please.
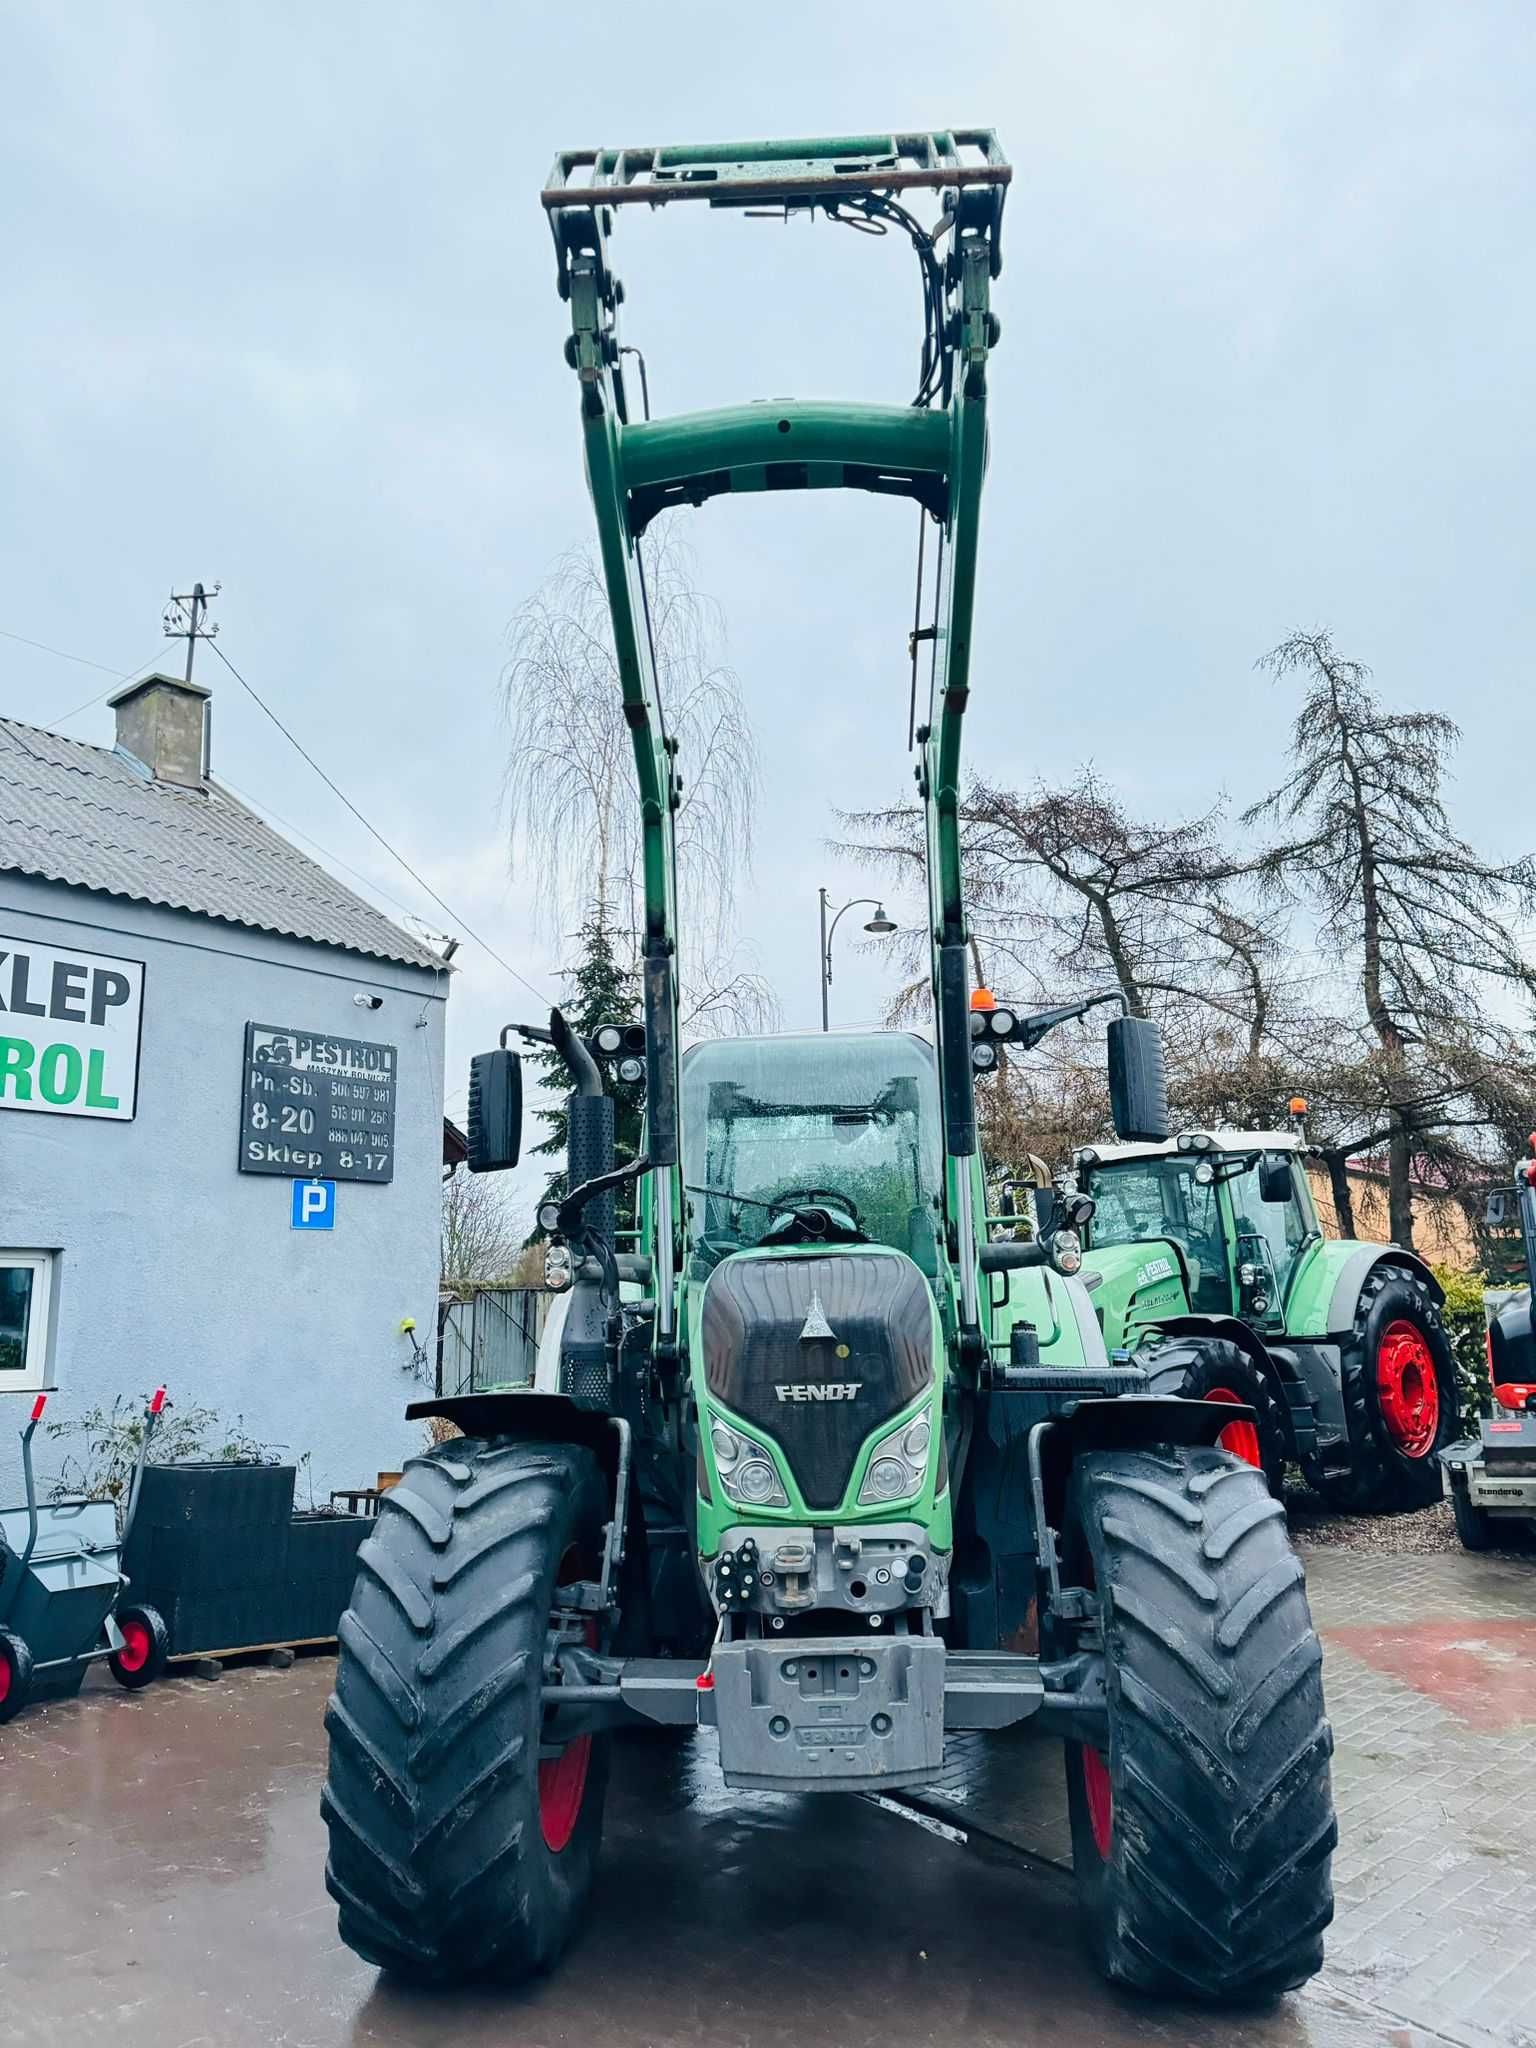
(164, 723)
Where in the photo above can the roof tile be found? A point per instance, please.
(70, 812)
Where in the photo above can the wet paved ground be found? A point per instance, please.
(160, 1859)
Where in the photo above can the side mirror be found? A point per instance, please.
(1275, 1177)
(495, 1111)
(1138, 1081)
(1496, 1211)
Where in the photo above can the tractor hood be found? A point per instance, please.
(817, 1348)
(1139, 1282)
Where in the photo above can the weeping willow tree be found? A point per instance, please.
(573, 807)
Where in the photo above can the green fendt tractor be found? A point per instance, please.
(1208, 1267)
(1211, 1269)
(794, 1469)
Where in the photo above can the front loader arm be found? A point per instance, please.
(933, 450)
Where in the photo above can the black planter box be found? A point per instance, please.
(199, 1622)
(210, 1529)
(322, 1564)
(218, 1549)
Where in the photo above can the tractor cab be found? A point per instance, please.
(1230, 1211)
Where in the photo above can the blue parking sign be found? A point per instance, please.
(314, 1205)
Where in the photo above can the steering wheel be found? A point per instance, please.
(795, 1199)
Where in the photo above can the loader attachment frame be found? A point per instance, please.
(933, 450)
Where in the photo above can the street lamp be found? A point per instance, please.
(879, 924)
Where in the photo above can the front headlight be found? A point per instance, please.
(557, 1266)
(748, 1475)
(898, 1463)
(1066, 1251)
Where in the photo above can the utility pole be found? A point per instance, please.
(184, 618)
(825, 977)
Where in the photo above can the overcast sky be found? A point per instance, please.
(280, 310)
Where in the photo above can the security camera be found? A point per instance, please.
(367, 1002)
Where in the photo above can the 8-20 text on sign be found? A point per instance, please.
(317, 1107)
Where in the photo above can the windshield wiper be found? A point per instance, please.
(751, 1201)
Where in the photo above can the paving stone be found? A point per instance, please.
(1430, 1675)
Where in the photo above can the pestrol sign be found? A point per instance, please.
(69, 1030)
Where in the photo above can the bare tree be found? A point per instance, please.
(1423, 926)
(1066, 891)
(481, 1244)
(1070, 894)
(572, 802)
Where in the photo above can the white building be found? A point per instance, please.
(196, 1021)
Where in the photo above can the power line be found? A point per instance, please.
(63, 718)
(43, 648)
(394, 853)
(82, 661)
(264, 809)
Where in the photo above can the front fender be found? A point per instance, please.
(525, 1417)
(1062, 1311)
(1237, 1332)
(1321, 1300)
(1128, 1422)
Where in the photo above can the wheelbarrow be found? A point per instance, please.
(62, 1587)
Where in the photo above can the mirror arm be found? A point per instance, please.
(1029, 1031)
(569, 1218)
(579, 1063)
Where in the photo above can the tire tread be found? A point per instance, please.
(1218, 1883)
(436, 1860)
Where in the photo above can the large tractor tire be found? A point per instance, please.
(455, 1851)
(1216, 1369)
(1399, 1386)
(1202, 1840)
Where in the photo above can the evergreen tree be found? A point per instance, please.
(600, 988)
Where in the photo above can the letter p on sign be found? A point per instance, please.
(314, 1205)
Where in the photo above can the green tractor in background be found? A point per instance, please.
(1208, 1266)
(816, 1463)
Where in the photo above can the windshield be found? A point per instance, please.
(855, 1117)
(1142, 1198)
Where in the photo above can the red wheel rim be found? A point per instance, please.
(1100, 1794)
(1240, 1438)
(563, 1778)
(137, 1644)
(5, 1676)
(1407, 1388)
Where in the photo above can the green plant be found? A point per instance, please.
(1466, 1324)
(107, 1444)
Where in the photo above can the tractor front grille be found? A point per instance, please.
(819, 1396)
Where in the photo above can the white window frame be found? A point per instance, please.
(33, 1376)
